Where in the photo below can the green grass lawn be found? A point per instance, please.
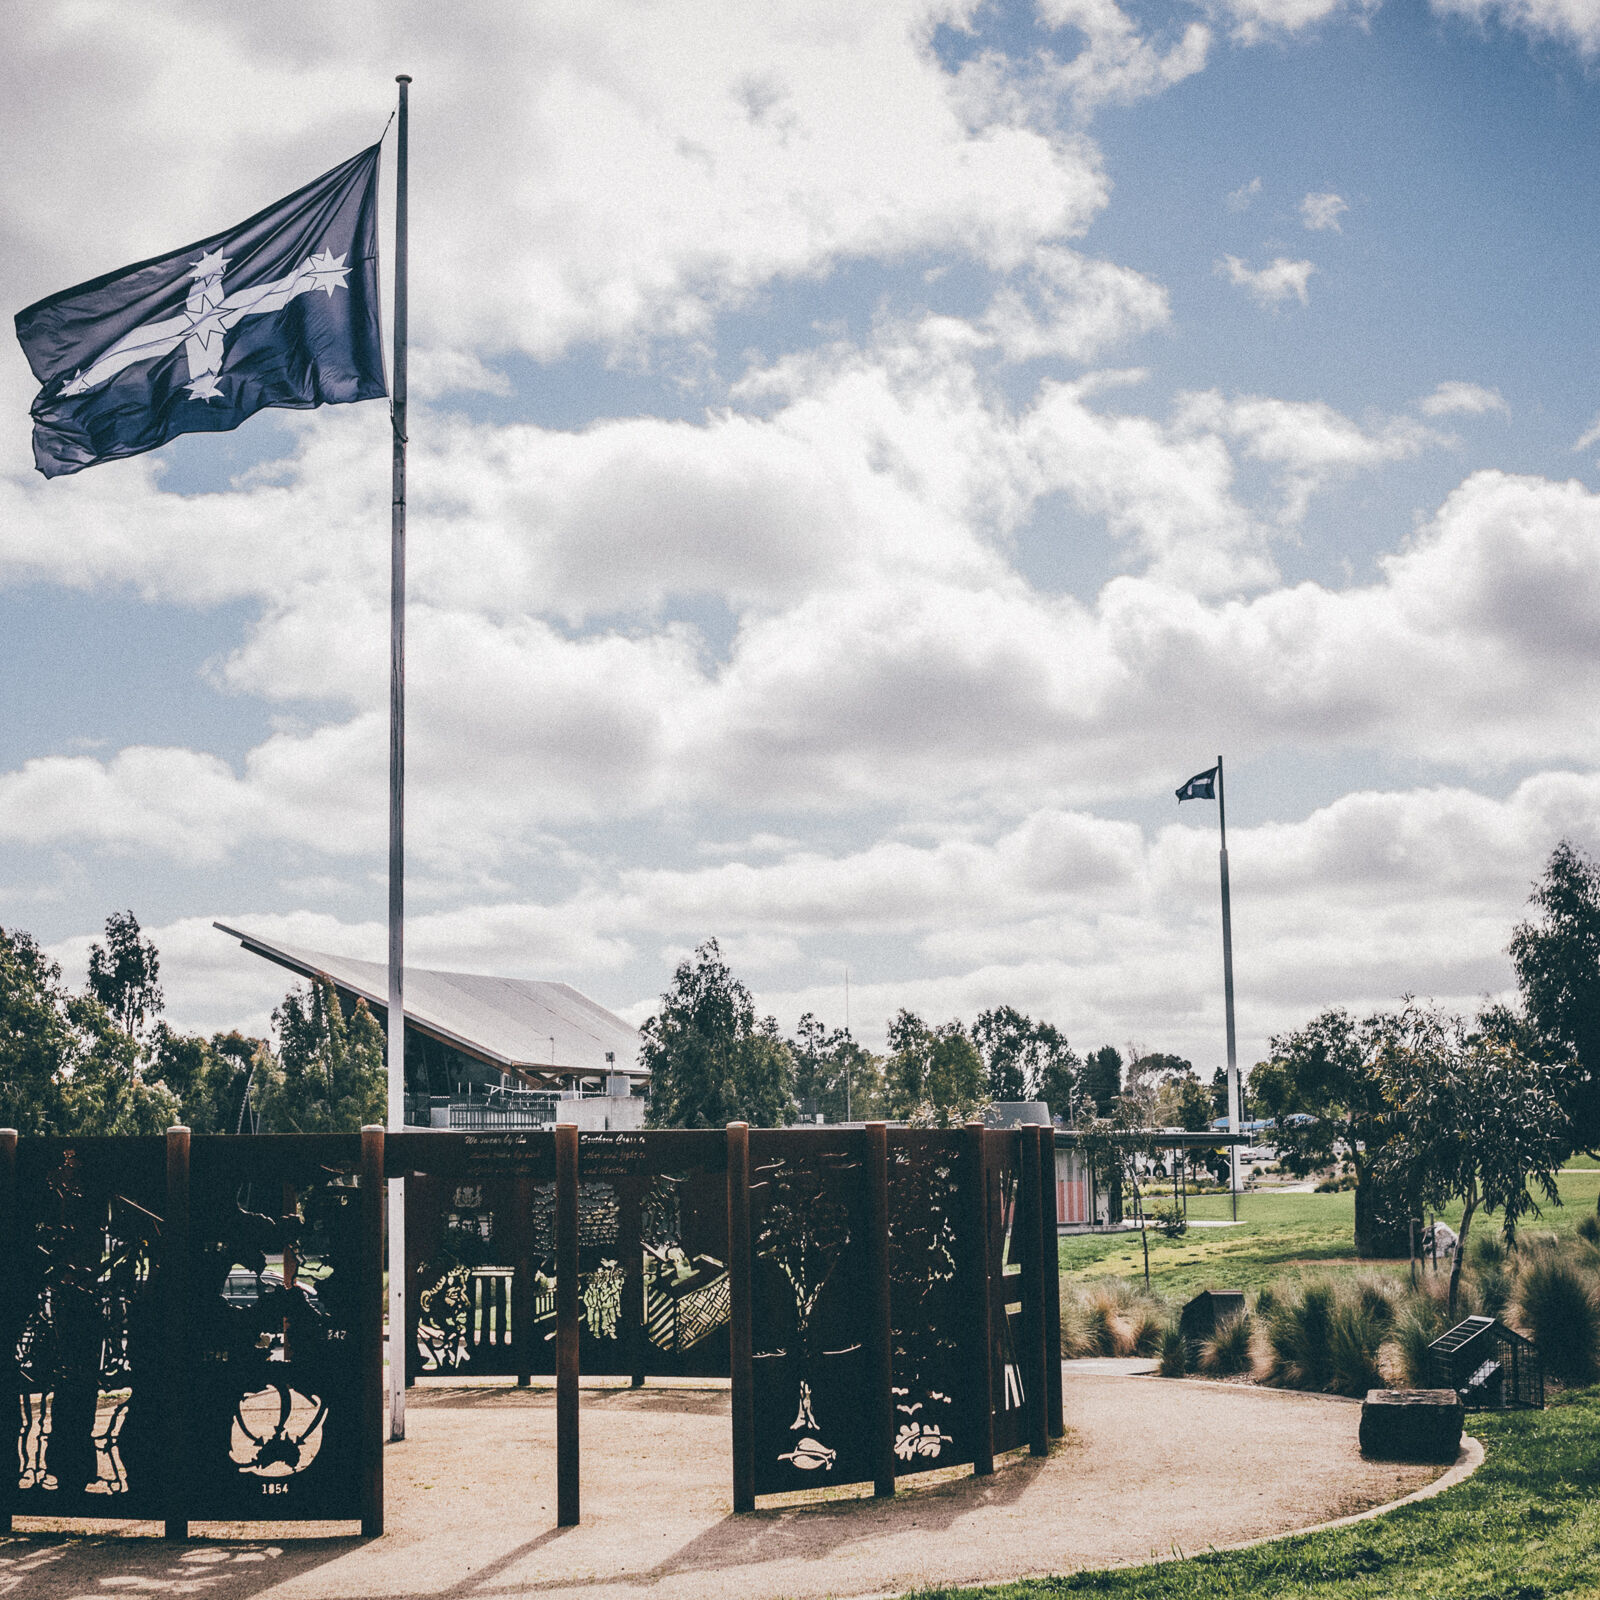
(1278, 1234)
(1525, 1526)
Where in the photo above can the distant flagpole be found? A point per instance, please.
(1227, 995)
(397, 788)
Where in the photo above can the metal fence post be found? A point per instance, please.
(741, 1361)
(369, 1328)
(980, 1335)
(175, 1357)
(880, 1347)
(567, 1325)
(1055, 1421)
(1030, 1224)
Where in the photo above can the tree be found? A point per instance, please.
(1027, 1060)
(329, 1075)
(1475, 1119)
(65, 1065)
(1323, 1088)
(1557, 962)
(710, 1062)
(934, 1076)
(210, 1077)
(1184, 1102)
(123, 975)
(835, 1074)
(1102, 1079)
(1113, 1146)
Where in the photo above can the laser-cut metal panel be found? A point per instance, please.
(274, 1404)
(652, 1248)
(85, 1320)
(809, 1281)
(930, 1252)
(1002, 1180)
(462, 1249)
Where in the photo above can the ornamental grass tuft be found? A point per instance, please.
(1229, 1350)
(1558, 1305)
(1174, 1362)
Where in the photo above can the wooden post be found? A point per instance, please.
(1030, 1226)
(369, 1331)
(741, 1361)
(880, 1349)
(522, 1277)
(980, 1381)
(567, 1325)
(175, 1358)
(10, 1317)
(1054, 1419)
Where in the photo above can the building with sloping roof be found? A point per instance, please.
(480, 1046)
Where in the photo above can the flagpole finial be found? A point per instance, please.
(402, 77)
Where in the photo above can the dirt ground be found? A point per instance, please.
(1148, 1468)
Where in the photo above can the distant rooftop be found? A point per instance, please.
(539, 1030)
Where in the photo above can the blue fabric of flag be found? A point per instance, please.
(1202, 786)
(281, 310)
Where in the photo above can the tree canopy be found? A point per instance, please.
(1102, 1079)
(1557, 962)
(1028, 1060)
(834, 1074)
(934, 1076)
(710, 1061)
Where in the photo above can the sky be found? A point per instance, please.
(862, 460)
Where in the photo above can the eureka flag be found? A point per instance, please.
(279, 311)
(1202, 786)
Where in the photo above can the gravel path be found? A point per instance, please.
(1148, 1468)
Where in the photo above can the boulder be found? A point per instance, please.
(1411, 1425)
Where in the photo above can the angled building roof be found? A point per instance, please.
(522, 1025)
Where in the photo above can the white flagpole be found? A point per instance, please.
(1227, 995)
(397, 786)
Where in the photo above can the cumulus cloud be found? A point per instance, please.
(1279, 281)
(1573, 22)
(1455, 398)
(1253, 21)
(1321, 212)
(1241, 198)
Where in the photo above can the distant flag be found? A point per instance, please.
(1202, 786)
(281, 310)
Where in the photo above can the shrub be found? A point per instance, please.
(1589, 1229)
(1487, 1250)
(1417, 1326)
(1170, 1220)
(1227, 1351)
(1174, 1360)
(1355, 1334)
(1147, 1330)
(1298, 1335)
(1558, 1305)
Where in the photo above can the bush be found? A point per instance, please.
(1416, 1327)
(1559, 1307)
(1147, 1330)
(1174, 1354)
(1298, 1337)
(1589, 1229)
(1355, 1334)
(1228, 1350)
(1170, 1220)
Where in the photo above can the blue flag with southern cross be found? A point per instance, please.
(279, 311)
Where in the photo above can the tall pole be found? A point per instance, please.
(1227, 995)
(397, 796)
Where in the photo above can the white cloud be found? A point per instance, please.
(1454, 398)
(1280, 280)
(1240, 199)
(1321, 212)
(1574, 22)
(1257, 20)
(1590, 436)
(1073, 307)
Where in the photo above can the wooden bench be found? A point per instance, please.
(1411, 1424)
